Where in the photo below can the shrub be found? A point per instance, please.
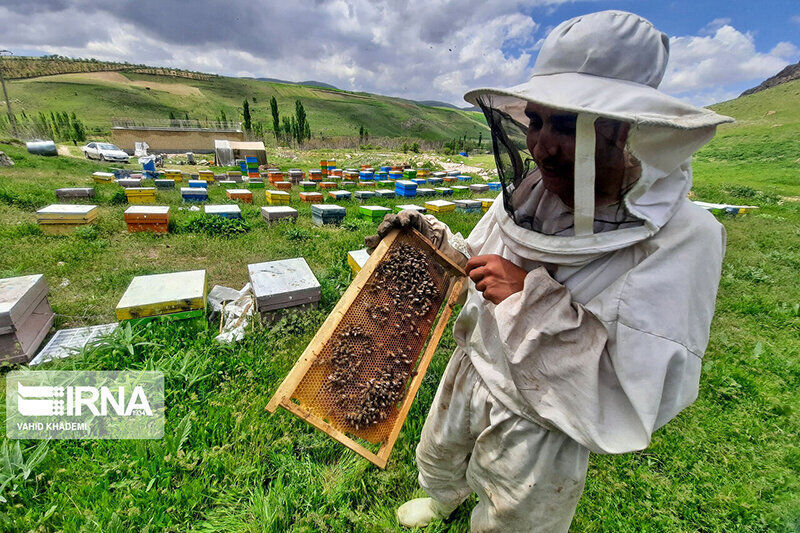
(216, 226)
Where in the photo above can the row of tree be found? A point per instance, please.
(290, 129)
(55, 125)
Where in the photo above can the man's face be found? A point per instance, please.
(551, 141)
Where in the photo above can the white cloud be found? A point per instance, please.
(796, 19)
(785, 50)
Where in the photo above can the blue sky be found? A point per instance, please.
(417, 49)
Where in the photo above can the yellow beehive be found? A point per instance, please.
(278, 197)
(58, 219)
(206, 175)
(141, 195)
(440, 206)
(486, 203)
(173, 174)
(103, 177)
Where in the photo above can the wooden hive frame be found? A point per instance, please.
(283, 397)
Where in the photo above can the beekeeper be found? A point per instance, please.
(593, 281)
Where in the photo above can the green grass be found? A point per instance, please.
(728, 463)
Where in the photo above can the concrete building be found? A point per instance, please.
(172, 139)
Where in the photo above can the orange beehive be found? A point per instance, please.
(275, 175)
(336, 173)
(283, 185)
(241, 195)
(310, 196)
(152, 218)
(327, 184)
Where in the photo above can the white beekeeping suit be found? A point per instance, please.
(604, 343)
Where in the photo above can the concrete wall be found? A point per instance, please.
(171, 140)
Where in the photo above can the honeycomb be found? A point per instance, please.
(361, 374)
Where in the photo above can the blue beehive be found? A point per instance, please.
(444, 191)
(419, 181)
(386, 169)
(406, 188)
(494, 185)
(468, 206)
(435, 181)
(194, 194)
(463, 177)
(365, 175)
(198, 184)
(225, 210)
(381, 175)
(327, 214)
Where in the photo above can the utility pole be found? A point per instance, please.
(11, 118)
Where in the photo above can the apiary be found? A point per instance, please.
(315, 175)
(366, 175)
(200, 184)
(406, 188)
(232, 211)
(148, 218)
(420, 181)
(424, 191)
(240, 195)
(384, 193)
(327, 214)
(478, 187)
(340, 195)
(443, 191)
(255, 183)
(327, 184)
(129, 182)
(460, 188)
(464, 177)
(283, 185)
(173, 174)
(310, 196)
(141, 195)
(358, 377)
(435, 181)
(365, 195)
(164, 183)
(308, 185)
(375, 213)
(25, 317)
(74, 192)
(412, 207)
(58, 219)
(468, 206)
(278, 197)
(494, 185)
(206, 175)
(296, 175)
(283, 284)
(278, 212)
(486, 203)
(409, 174)
(193, 194)
(440, 206)
(356, 259)
(173, 296)
(103, 177)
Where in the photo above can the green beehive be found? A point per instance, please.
(374, 213)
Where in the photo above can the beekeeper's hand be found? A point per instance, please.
(496, 277)
(429, 226)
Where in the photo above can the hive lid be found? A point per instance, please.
(18, 297)
(283, 281)
(222, 209)
(67, 191)
(147, 210)
(408, 184)
(243, 192)
(359, 256)
(468, 203)
(374, 209)
(440, 203)
(274, 210)
(327, 209)
(278, 193)
(159, 294)
(61, 210)
(194, 191)
(66, 341)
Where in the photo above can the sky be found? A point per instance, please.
(417, 49)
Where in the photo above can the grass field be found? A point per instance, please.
(729, 463)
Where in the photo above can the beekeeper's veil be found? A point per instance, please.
(607, 64)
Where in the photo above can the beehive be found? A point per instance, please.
(356, 259)
(443, 191)
(406, 188)
(283, 284)
(25, 317)
(381, 176)
(435, 181)
(364, 195)
(350, 175)
(346, 183)
(409, 174)
(327, 184)
(234, 175)
(385, 193)
(395, 175)
(192, 194)
(450, 179)
(375, 213)
(424, 191)
(365, 175)
(323, 167)
(173, 296)
(335, 173)
(164, 183)
(206, 175)
(315, 175)
(103, 177)
(310, 196)
(278, 197)
(460, 188)
(278, 212)
(327, 214)
(486, 203)
(438, 174)
(129, 182)
(308, 185)
(240, 195)
(440, 206)
(468, 206)
(173, 174)
(423, 172)
(147, 218)
(57, 219)
(199, 184)
(478, 187)
(74, 192)
(283, 185)
(231, 211)
(141, 195)
(412, 207)
(454, 173)
(375, 333)
(384, 183)
(464, 177)
(494, 185)
(275, 175)
(255, 183)
(420, 181)
(340, 195)
(296, 175)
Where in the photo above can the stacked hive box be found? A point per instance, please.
(103, 177)
(251, 163)
(440, 206)
(327, 214)
(375, 213)
(357, 259)
(296, 175)
(225, 211)
(278, 197)
(412, 207)
(409, 174)
(129, 182)
(406, 188)
(206, 175)
(323, 168)
(164, 183)
(25, 317)
(141, 195)
(149, 218)
(57, 219)
(174, 296)
(468, 206)
(241, 195)
(331, 166)
(75, 192)
(486, 203)
(366, 175)
(279, 212)
(310, 196)
(283, 284)
(381, 176)
(479, 187)
(193, 194)
(314, 175)
(385, 193)
(173, 174)
(335, 173)
(396, 175)
(423, 173)
(340, 195)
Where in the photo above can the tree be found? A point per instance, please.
(276, 120)
(480, 138)
(302, 123)
(171, 115)
(307, 132)
(246, 121)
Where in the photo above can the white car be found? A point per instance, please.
(105, 152)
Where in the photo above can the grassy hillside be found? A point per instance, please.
(729, 463)
(98, 97)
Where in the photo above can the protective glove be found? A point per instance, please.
(429, 226)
